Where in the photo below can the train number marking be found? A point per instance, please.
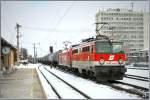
(111, 57)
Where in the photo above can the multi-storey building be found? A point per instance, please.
(146, 30)
(24, 53)
(123, 25)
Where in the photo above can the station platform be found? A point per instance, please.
(21, 84)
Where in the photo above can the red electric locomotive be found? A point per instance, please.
(99, 57)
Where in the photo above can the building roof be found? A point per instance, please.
(6, 43)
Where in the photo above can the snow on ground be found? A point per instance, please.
(94, 90)
(46, 87)
(135, 82)
(61, 87)
(143, 73)
(140, 66)
(28, 65)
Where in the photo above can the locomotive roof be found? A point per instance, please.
(97, 38)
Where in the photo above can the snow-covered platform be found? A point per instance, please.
(21, 84)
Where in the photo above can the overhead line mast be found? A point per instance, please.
(18, 53)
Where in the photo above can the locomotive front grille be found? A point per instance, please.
(110, 73)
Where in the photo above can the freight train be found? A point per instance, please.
(97, 57)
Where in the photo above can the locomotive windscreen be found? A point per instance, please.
(118, 47)
(107, 47)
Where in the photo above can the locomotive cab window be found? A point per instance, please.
(103, 47)
(106, 47)
(118, 47)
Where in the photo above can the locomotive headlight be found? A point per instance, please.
(101, 61)
(120, 61)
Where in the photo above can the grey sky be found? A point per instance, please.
(52, 22)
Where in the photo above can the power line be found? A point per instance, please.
(62, 17)
(53, 30)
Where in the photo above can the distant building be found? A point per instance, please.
(24, 53)
(30, 59)
(127, 26)
(140, 56)
(146, 30)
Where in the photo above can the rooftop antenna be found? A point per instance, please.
(132, 4)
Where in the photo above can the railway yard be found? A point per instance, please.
(61, 84)
(74, 50)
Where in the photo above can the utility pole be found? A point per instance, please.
(0, 56)
(34, 51)
(18, 53)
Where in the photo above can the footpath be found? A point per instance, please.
(21, 84)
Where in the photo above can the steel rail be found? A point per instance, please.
(85, 95)
(143, 91)
(50, 85)
(137, 77)
(132, 91)
(139, 68)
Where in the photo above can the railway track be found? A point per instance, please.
(130, 88)
(50, 84)
(133, 89)
(137, 77)
(139, 68)
(57, 91)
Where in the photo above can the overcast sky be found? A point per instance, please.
(52, 22)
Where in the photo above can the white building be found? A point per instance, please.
(124, 25)
(146, 31)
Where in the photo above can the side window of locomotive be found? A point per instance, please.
(75, 51)
(86, 49)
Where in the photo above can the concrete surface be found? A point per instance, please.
(22, 84)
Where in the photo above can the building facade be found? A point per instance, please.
(8, 56)
(146, 30)
(126, 26)
(24, 53)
